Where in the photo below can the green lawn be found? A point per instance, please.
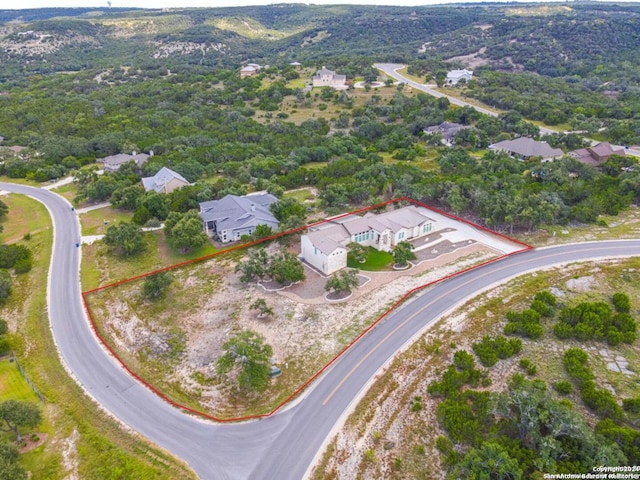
(376, 261)
(23, 218)
(300, 195)
(96, 222)
(13, 386)
(68, 191)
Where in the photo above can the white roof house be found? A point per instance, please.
(165, 181)
(454, 76)
(324, 246)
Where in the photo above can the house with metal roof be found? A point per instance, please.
(165, 181)
(324, 247)
(231, 217)
(525, 148)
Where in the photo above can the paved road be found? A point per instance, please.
(285, 445)
(391, 69)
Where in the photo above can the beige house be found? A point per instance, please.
(328, 78)
(455, 76)
(597, 154)
(165, 181)
(324, 247)
(250, 70)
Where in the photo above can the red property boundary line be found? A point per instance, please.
(185, 408)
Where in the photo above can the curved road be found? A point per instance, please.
(283, 446)
(391, 69)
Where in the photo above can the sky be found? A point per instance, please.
(21, 4)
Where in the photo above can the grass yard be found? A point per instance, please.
(23, 218)
(301, 195)
(404, 73)
(96, 222)
(100, 267)
(13, 386)
(376, 261)
(68, 191)
(101, 447)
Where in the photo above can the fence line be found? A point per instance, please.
(26, 377)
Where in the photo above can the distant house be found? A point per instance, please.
(525, 148)
(165, 181)
(324, 247)
(597, 154)
(454, 76)
(448, 131)
(328, 78)
(114, 162)
(232, 216)
(250, 70)
(296, 64)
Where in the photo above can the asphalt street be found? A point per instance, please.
(285, 445)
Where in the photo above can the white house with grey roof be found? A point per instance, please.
(165, 181)
(324, 247)
(232, 216)
(455, 76)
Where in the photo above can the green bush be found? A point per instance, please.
(575, 361)
(489, 350)
(528, 367)
(563, 387)
(621, 302)
(631, 405)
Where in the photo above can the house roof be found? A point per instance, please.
(528, 147)
(122, 158)
(448, 129)
(595, 155)
(604, 149)
(327, 239)
(233, 212)
(161, 179)
(324, 72)
(459, 73)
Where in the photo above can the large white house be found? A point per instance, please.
(328, 78)
(324, 247)
(454, 76)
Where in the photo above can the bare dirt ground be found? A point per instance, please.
(207, 303)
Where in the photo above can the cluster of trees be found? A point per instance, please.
(597, 321)
(515, 433)
(282, 267)
(184, 230)
(4, 337)
(125, 239)
(18, 257)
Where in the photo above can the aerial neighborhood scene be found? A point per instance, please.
(319, 241)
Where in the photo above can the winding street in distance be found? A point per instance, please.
(285, 445)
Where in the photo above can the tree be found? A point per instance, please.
(621, 302)
(155, 286)
(285, 268)
(263, 309)
(491, 461)
(17, 414)
(5, 285)
(343, 282)
(251, 355)
(255, 266)
(4, 209)
(403, 253)
(10, 468)
(185, 230)
(358, 252)
(126, 237)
